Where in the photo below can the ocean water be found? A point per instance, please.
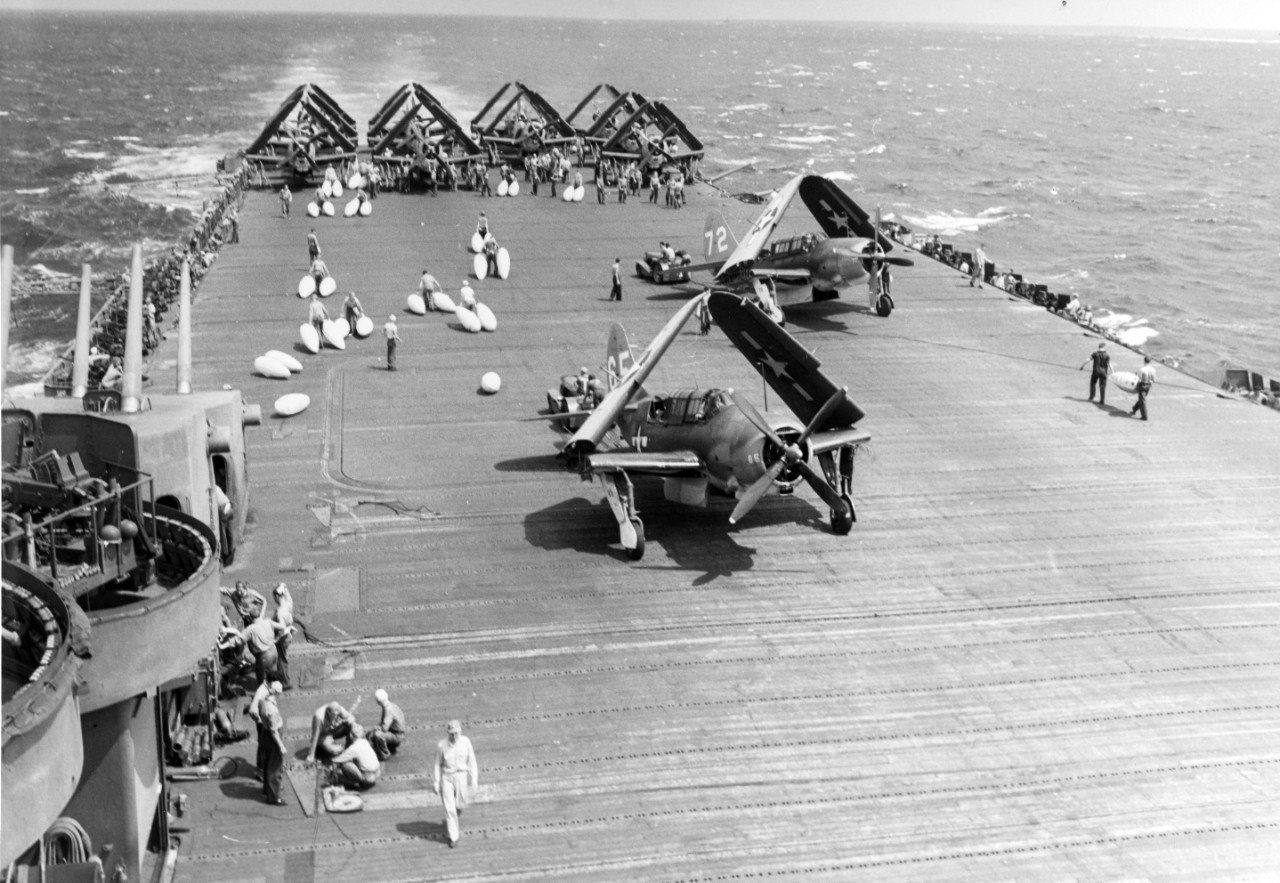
(1138, 170)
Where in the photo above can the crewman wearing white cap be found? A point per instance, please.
(456, 773)
(390, 731)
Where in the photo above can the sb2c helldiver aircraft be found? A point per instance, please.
(697, 438)
(801, 269)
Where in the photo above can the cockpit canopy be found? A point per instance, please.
(687, 406)
(794, 245)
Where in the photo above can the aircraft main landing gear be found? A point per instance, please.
(638, 526)
(884, 306)
(842, 522)
(837, 466)
(620, 494)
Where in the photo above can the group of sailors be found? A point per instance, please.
(253, 647)
(1066, 305)
(350, 755)
(585, 387)
(353, 754)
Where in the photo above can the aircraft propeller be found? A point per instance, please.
(792, 455)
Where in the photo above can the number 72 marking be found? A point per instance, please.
(717, 240)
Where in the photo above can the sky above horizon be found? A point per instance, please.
(1190, 15)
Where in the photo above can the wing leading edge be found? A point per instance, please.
(668, 463)
(763, 228)
(606, 414)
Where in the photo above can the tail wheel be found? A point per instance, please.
(884, 306)
(842, 522)
(638, 552)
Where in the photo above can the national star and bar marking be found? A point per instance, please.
(776, 365)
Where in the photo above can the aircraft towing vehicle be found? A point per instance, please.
(664, 269)
(697, 439)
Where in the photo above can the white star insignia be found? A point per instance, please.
(839, 219)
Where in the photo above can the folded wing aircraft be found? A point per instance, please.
(807, 268)
(696, 439)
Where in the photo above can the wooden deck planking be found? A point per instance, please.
(1045, 651)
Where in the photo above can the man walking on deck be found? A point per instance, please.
(352, 309)
(615, 293)
(427, 286)
(491, 256)
(317, 315)
(286, 200)
(456, 773)
(284, 636)
(979, 268)
(313, 245)
(1146, 377)
(1101, 360)
(393, 341)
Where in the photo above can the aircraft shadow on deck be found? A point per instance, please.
(813, 321)
(661, 293)
(535, 463)
(696, 540)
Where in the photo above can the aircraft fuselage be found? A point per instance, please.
(831, 264)
(709, 424)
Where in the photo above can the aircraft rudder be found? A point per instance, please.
(718, 237)
(618, 355)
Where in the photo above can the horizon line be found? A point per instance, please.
(27, 8)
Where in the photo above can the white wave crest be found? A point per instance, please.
(950, 225)
(1112, 320)
(33, 359)
(805, 139)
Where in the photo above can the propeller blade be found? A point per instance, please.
(889, 259)
(752, 415)
(820, 486)
(758, 489)
(820, 418)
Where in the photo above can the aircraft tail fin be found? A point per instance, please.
(618, 358)
(720, 241)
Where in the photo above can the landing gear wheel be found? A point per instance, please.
(842, 522)
(884, 306)
(638, 552)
